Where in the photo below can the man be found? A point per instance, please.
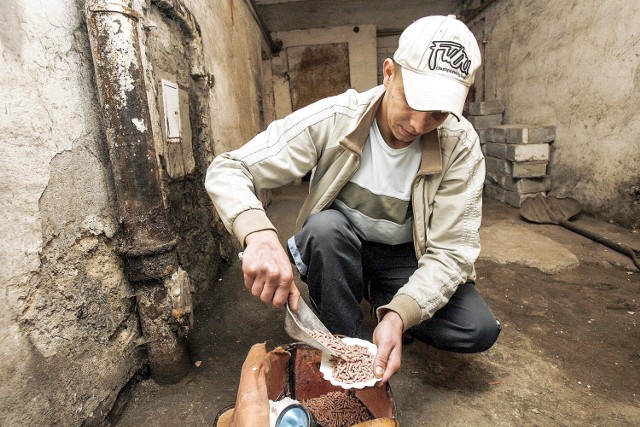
(394, 201)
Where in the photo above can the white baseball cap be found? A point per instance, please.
(439, 57)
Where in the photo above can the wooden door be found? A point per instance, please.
(317, 71)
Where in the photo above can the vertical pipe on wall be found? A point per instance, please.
(147, 243)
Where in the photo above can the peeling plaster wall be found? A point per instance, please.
(573, 65)
(69, 326)
(202, 241)
(232, 44)
(233, 51)
(68, 320)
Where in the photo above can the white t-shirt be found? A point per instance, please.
(377, 199)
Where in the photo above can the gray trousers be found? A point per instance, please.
(340, 270)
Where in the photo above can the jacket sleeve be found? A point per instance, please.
(286, 150)
(452, 236)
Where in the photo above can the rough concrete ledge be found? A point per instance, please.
(514, 243)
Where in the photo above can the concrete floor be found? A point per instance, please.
(569, 353)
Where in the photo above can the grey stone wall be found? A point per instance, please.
(572, 65)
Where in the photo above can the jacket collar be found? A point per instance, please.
(355, 140)
(431, 154)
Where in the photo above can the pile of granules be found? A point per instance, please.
(336, 409)
(356, 364)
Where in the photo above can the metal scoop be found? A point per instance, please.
(304, 317)
(295, 323)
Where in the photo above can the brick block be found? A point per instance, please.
(495, 164)
(481, 135)
(486, 108)
(509, 197)
(517, 170)
(484, 122)
(520, 185)
(521, 134)
(529, 169)
(518, 152)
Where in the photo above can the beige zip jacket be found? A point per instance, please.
(327, 137)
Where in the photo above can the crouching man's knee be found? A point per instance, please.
(484, 336)
(470, 337)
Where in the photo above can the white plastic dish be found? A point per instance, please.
(326, 365)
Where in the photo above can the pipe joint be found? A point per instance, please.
(113, 6)
(151, 267)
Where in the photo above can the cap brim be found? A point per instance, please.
(433, 92)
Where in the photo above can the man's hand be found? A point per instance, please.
(388, 337)
(267, 270)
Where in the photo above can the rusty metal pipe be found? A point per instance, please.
(147, 244)
(121, 88)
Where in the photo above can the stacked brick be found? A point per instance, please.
(516, 159)
(484, 115)
(516, 155)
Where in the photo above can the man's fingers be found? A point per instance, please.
(248, 277)
(257, 289)
(393, 364)
(379, 370)
(388, 337)
(380, 362)
(384, 368)
(267, 270)
(279, 296)
(251, 282)
(294, 297)
(264, 278)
